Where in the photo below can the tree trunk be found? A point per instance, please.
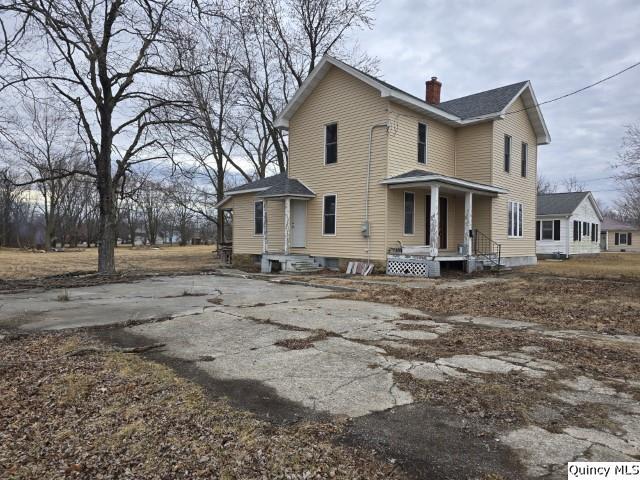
(107, 228)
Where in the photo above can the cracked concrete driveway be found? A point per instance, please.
(286, 351)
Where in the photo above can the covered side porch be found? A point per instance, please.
(439, 219)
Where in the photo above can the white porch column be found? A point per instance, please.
(264, 226)
(468, 221)
(287, 224)
(434, 239)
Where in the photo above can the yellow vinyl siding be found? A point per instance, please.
(522, 190)
(473, 152)
(355, 107)
(244, 239)
(403, 143)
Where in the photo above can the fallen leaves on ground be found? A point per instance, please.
(598, 305)
(112, 415)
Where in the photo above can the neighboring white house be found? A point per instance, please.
(567, 224)
(619, 237)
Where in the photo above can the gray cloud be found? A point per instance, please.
(560, 46)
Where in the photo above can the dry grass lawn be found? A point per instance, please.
(622, 266)
(16, 264)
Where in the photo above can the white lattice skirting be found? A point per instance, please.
(412, 267)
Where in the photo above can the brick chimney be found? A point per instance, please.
(433, 91)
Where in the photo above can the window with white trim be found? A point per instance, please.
(329, 215)
(422, 143)
(258, 218)
(331, 143)
(515, 213)
(409, 212)
(623, 239)
(507, 153)
(524, 157)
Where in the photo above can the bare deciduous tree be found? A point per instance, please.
(544, 185)
(105, 59)
(572, 184)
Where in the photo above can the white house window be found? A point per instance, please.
(623, 239)
(422, 143)
(409, 212)
(507, 153)
(329, 215)
(548, 230)
(515, 219)
(258, 218)
(331, 143)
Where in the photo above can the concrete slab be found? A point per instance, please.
(540, 450)
(149, 298)
(335, 375)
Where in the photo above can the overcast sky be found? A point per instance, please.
(560, 46)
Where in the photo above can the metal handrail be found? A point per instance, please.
(484, 246)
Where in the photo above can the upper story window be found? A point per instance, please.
(331, 143)
(524, 159)
(329, 215)
(409, 212)
(514, 228)
(507, 153)
(258, 218)
(422, 143)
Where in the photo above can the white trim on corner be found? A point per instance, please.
(254, 218)
(404, 218)
(335, 216)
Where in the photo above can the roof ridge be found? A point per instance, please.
(486, 91)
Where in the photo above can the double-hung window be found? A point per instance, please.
(331, 143)
(258, 218)
(548, 230)
(409, 212)
(524, 158)
(507, 153)
(329, 215)
(422, 143)
(514, 228)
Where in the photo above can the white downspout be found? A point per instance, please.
(365, 225)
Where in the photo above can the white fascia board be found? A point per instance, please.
(445, 180)
(282, 121)
(422, 106)
(222, 202)
(249, 190)
(541, 138)
(595, 206)
(288, 195)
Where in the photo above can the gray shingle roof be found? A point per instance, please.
(276, 185)
(483, 103)
(612, 224)
(478, 104)
(559, 203)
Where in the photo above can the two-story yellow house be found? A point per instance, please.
(379, 175)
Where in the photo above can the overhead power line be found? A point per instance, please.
(630, 67)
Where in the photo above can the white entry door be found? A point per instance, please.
(298, 223)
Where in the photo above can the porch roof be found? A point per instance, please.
(276, 186)
(422, 178)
